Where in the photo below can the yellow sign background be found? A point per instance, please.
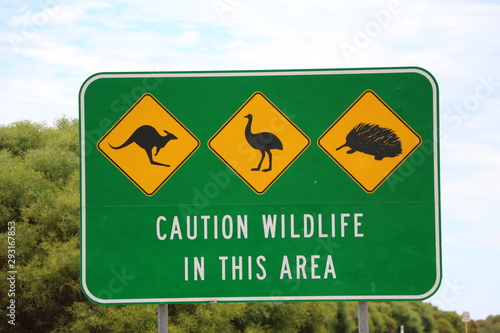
(132, 160)
(231, 145)
(368, 172)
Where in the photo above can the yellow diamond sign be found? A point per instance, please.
(259, 143)
(369, 141)
(148, 144)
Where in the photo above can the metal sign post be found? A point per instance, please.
(363, 326)
(162, 318)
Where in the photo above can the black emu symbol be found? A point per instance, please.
(147, 137)
(264, 142)
(373, 140)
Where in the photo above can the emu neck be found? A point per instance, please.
(248, 130)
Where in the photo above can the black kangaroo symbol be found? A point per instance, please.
(264, 142)
(147, 137)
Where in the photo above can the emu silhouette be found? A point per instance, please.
(264, 142)
(147, 138)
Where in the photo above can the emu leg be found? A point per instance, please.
(270, 162)
(260, 163)
(150, 155)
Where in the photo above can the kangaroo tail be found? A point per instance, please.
(125, 144)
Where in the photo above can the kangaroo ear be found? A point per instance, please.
(166, 132)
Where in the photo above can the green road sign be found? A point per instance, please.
(287, 185)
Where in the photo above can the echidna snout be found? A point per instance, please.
(374, 140)
(344, 145)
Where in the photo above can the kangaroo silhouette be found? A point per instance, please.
(147, 137)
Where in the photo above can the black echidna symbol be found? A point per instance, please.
(373, 140)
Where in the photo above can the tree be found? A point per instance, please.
(39, 193)
(444, 326)
(343, 322)
(490, 325)
(406, 316)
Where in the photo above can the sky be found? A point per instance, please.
(49, 47)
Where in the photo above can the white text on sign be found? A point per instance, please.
(292, 226)
(273, 226)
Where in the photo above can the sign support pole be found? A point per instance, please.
(162, 318)
(363, 317)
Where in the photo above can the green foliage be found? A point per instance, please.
(490, 325)
(37, 163)
(424, 311)
(22, 136)
(50, 283)
(343, 322)
(444, 326)
(406, 316)
(310, 317)
(381, 320)
(19, 187)
(453, 318)
(87, 318)
(39, 191)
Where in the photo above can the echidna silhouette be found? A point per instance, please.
(147, 137)
(373, 140)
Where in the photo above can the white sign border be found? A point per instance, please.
(83, 235)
